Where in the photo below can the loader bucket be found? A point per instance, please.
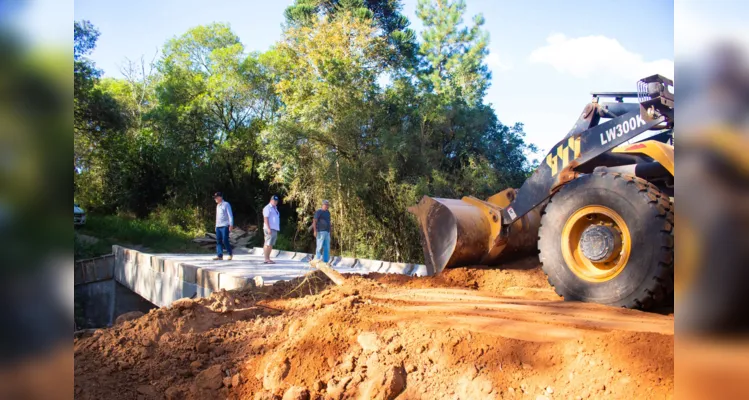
(463, 232)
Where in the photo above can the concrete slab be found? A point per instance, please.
(164, 278)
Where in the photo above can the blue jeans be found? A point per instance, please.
(323, 246)
(222, 237)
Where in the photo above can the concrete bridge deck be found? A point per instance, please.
(164, 278)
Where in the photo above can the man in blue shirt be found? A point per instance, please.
(321, 226)
(224, 224)
(271, 226)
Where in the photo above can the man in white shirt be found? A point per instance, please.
(224, 224)
(271, 226)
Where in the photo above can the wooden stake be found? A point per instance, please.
(334, 275)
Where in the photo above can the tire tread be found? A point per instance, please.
(650, 293)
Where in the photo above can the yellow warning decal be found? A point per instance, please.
(562, 157)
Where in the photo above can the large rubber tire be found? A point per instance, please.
(647, 277)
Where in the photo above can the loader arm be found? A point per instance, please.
(558, 167)
(582, 145)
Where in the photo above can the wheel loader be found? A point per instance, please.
(598, 209)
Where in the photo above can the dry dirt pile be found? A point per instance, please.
(382, 337)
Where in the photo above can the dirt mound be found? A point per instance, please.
(521, 278)
(381, 337)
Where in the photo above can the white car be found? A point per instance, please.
(79, 216)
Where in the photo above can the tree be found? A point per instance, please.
(328, 84)
(385, 14)
(98, 122)
(311, 118)
(212, 99)
(453, 56)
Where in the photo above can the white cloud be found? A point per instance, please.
(597, 55)
(496, 64)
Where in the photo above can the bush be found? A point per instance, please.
(83, 250)
(155, 233)
(186, 219)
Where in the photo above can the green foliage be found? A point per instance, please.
(392, 26)
(453, 55)
(309, 119)
(84, 38)
(153, 233)
(83, 249)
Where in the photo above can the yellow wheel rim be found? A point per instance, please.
(611, 265)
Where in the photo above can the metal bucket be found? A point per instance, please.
(464, 232)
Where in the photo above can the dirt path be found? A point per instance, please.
(535, 320)
(467, 334)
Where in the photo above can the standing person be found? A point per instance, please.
(271, 226)
(321, 225)
(224, 224)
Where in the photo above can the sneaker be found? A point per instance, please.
(217, 258)
(230, 257)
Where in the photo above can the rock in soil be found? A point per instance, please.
(128, 316)
(147, 390)
(368, 341)
(183, 304)
(212, 378)
(173, 393)
(202, 347)
(296, 393)
(236, 380)
(385, 385)
(275, 371)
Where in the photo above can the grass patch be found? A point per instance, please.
(84, 249)
(148, 234)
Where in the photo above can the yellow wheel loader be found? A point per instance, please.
(599, 208)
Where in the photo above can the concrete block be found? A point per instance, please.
(157, 264)
(420, 270)
(383, 267)
(104, 268)
(285, 255)
(334, 261)
(118, 269)
(143, 259)
(128, 255)
(118, 252)
(191, 290)
(231, 282)
(347, 262)
(274, 253)
(409, 269)
(78, 277)
(171, 268)
(188, 273)
(299, 256)
(396, 268)
(207, 278)
(368, 265)
(89, 274)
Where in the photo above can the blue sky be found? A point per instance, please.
(546, 55)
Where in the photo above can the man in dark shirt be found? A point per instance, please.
(321, 226)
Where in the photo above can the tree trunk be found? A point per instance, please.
(342, 212)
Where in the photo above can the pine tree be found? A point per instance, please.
(453, 54)
(386, 14)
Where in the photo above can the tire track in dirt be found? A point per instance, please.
(535, 320)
